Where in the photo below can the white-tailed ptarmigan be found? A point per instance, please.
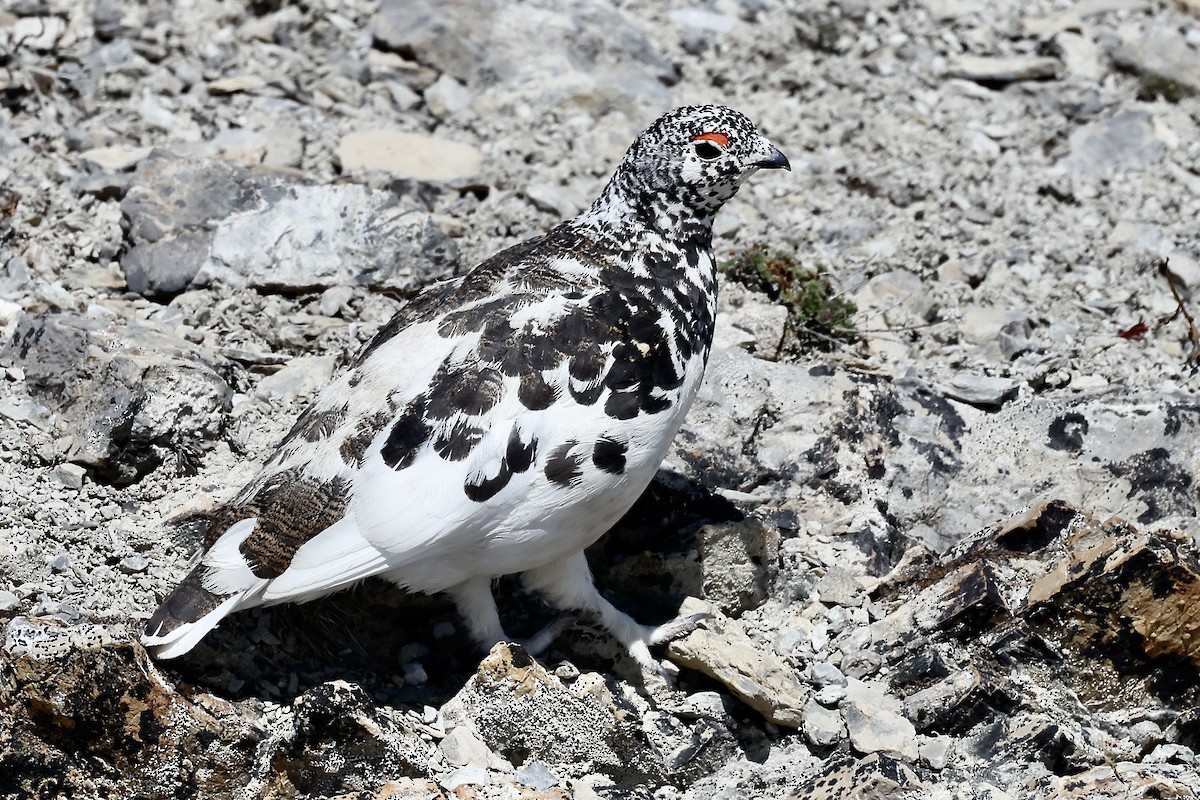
(501, 422)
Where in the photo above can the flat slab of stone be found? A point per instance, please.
(720, 649)
(408, 155)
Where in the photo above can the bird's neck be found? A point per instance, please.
(622, 209)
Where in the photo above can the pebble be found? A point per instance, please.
(822, 726)
(822, 674)
(8, 600)
(408, 155)
(980, 390)
(703, 705)
(1127, 140)
(1170, 753)
(236, 83)
(70, 475)
(566, 672)
(466, 776)
(444, 630)
(875, 724)
(447, 97)
(720, 649)
(334, 300)
(412, 651)
(113, 159)
(462, 748)
(1004, 69)
(537, 775)
(935, 751)
(830, 695)
(414, 674)
(134, 564)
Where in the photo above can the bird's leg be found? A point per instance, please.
(477, 607)
(568, 584)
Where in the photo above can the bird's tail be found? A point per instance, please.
(188, 613)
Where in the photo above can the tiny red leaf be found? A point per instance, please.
(1135, 331)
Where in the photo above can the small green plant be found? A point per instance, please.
(817, 315)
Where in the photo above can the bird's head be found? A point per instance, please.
(693, 159)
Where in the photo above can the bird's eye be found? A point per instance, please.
(710, 145)
(706, 149)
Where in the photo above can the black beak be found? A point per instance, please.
(776, 160)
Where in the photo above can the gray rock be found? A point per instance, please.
(875, 729)
(1004, 69)
(823, 674)
(521, 712)
(537, 775)
(936, 751)
(721, 650)
(739, 563)
(126, 395)
(66, 689)
(822, 726)
(191, 223)
(8, 600)
(1166, 63)
(133, 564)
(454, 44)
(980, 390)
(598, 54)
(341, 741)
(1125, 141)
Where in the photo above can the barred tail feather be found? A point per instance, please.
(188, 613)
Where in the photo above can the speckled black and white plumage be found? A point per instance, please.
(499, 423)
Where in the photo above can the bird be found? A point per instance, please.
(502, 421)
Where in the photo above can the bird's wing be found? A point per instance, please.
(404, 456)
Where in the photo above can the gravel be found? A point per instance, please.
(205, 209)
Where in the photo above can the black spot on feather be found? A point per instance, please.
(464, 388)
(519, 455)
(458, 440)
(479, 488)
(534, 393)
(408, 435)
(563, 466)
(609, 455)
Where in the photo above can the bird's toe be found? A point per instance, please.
(676, 628)
(537, 644)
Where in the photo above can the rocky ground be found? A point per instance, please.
(954, 558)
